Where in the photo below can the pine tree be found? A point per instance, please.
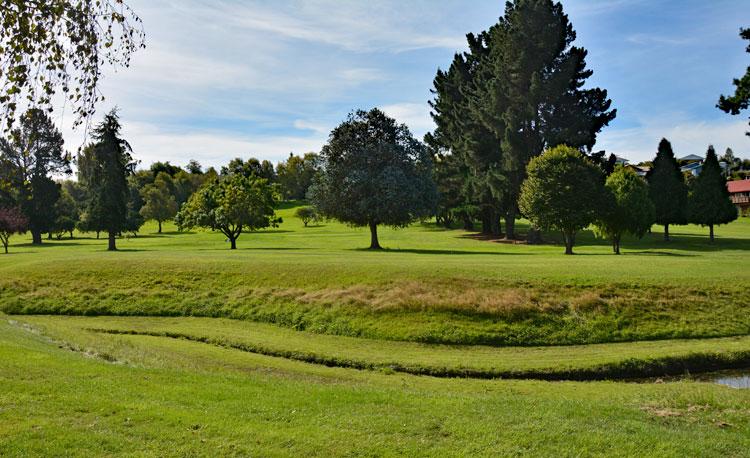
(667, 188)
(709, 202)
(107, 166)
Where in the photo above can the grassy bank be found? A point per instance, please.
(586, 362)
(168, 397)
(432, 285)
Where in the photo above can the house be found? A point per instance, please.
(691, 158)
(739, 192)
(621, 161)
(640, 170)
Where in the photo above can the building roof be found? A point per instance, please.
(738, 186)
(691, 157)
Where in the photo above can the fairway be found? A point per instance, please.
(430, 285)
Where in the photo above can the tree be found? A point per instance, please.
(12, 221)
(67, 214)
(295, 175)
(194, 167)
(628, 207)
(526, 90)
(307, 214)
(374, 172)
(231, 205)
(105, 167)
(159, 204)
(60, 46)
(31, 155)
(709, 203)
(251, 167)
(740, 100)
(667, 188)
(563, 191)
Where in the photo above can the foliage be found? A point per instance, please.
(30, 156)
(66, 211)
(667, 188)
(12, 221)
(628, 207)
(58, 47)
(709, 203)
(307, 214)
(295, 175)
(104, 168)
(159, 204)
(251, 167)
(374, 172)
(563, 191)
(518, 91)
(740, 100)
(231, 205)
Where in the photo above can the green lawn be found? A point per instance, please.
(155, 396)
(431, 285)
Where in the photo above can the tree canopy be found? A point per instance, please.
(33, 152)
(158, 203)
(374, 172)
(59, 47)
(104, 167)
(709, 203)
(12, 221)
(517, 91)
(740, 100)
(667, 188)
(563, 191)
(627, 207)
(231, 205)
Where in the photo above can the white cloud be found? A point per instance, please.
(687, 137)
(415, 115)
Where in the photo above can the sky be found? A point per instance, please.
(223, 79)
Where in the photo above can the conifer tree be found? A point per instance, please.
(667, 188)
(709, 203)
(106, 168)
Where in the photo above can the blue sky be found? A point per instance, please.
(224, 79)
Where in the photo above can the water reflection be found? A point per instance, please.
(737, 380)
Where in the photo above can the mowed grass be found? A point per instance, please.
(154, 396)
(583, 362)
(431, 285)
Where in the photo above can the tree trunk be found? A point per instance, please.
(49, 235)
(97, 235)
(569, 241)
(666, 232)
(711, 232)
(233, 243)
(510, 223)
(159, 227)
(71, 235)
(112, 246)
(5, 245)
(616, 244)
(36, 237)
(374, 244)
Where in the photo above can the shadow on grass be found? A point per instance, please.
(440, 252)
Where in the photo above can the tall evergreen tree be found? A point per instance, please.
(106, 168)
(709, 203)
(667, 188)
(521, 87)
(32, 154)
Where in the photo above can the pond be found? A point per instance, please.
(731, 379)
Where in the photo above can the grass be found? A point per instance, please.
(153, 396)
(431, 285)
(600, 361)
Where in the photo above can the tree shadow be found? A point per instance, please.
(439, 252)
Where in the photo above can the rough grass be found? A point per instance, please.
(150, 396)
(581, 362)
(432, 285)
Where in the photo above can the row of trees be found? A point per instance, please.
(567, 192)
(109, 195)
